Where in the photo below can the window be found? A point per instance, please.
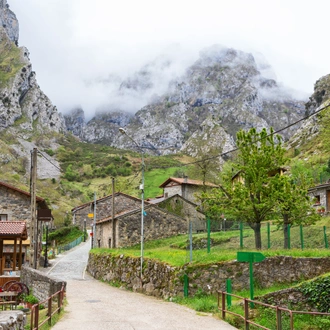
(3, 217)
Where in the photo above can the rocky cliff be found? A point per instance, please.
(23, 105)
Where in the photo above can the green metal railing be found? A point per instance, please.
(70, 245)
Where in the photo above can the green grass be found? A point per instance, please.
(175, 250)
(10, 62)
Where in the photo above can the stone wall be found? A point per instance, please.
(42, 285)
(162, 280)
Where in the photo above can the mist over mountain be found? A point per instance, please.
(169, 105)
(224, 91)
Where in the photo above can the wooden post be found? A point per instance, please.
(20, 255)
(15, 255)
(33, 224)
(2, 265)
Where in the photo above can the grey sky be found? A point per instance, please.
(80, 49)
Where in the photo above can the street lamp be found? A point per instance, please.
(123, 131)
(46, 249)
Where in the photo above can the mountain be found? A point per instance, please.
(23, 105)
(199, 112)
(222, 92)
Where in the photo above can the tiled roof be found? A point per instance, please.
(13, 229)
(187, 181)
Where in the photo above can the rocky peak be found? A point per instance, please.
(22, 102)
(9, 22)
(321, 93)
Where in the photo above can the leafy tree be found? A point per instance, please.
(293, 204)
(250, 197)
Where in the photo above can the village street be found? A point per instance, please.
(96, 305)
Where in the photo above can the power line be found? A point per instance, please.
(40, 153)
(319, 109)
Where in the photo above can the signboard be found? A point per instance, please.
(250, 257)
(90, 215)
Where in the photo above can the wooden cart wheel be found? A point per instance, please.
(7, 285)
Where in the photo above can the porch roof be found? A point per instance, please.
(13, 229)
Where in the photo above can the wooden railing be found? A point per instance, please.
(58, 298)
(246, 317)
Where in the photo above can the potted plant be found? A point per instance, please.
(30, 300)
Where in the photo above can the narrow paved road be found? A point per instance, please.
(96, 305)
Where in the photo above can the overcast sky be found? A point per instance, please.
(80, 49)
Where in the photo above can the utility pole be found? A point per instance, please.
(33, 224)
(94, 223)
(113, 240)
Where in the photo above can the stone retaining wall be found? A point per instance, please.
(164, 281)
(42, 285)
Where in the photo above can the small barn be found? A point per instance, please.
(157, 223)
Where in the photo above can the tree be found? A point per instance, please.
(249, 194)
(294, 205)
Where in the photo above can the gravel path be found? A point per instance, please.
(96, 305)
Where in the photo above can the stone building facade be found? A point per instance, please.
(158, 223)
(105, 207)
(320, 195)
(126, 212)
(15, 204)
(187, 188)
(185, 209)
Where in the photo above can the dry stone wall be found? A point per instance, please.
(42, 285)
(162, 280)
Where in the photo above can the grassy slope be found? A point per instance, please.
(226, 245)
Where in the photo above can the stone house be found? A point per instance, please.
(118, 221)
(15, 205)
(83, 215)
(187, 188)
(320, 196)
(183, 208)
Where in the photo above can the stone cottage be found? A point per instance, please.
(125, 230)
(183, 208)
(320, 196)
(187, 188)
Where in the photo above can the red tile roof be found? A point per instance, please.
(13, 229)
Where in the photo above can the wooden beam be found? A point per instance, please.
(20, 255)
(2, 260)
(15, 254)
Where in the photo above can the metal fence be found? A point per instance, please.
(70, 245)
(272, 236)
